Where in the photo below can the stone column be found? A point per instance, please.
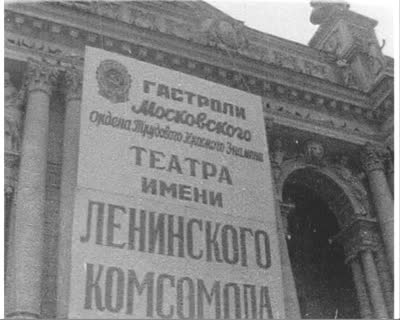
(24, 280)
(292, 309)
(386, 279)
(73, 93)
(360, 240)
(374, 286)
(277, 153)
(359, 282)
(382, 197)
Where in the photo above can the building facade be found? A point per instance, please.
(328, 111)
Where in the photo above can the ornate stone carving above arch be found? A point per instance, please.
(347, 199)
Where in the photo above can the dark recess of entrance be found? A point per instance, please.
(324, 283)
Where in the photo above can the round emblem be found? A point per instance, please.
(114, 81)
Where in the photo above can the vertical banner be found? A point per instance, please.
(174, 210)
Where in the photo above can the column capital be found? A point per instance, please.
(40, 76)
(360, 236)
(371, 158)
(73, 84)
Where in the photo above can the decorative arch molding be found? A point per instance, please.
(348, 202)
(359, 231)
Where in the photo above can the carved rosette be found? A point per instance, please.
(371, 158)
(362, 235)
(40, 76)
(73, 84)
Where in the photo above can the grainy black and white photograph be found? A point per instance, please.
(200, 159)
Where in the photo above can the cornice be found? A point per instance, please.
(107, 16)
(329, 124)
(307, 59)
(382, 89)
(58, 37)
(320, 129)
(202, 11)
(117, 32)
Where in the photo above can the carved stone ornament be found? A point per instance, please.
(277, 153)
(349, 78)
(10, 92)
(12, 135)
(41, 76)
(314, 152)
(11, 161)
(352, 181)
(360, 236)
(8, 192)
(105, 9)
(287, 61)
(324, 10)
(12, 117)
(375, 59)
(224, 33)
(114, 81)
(371, 159)
(73, 84)
(333, 44)
(389, 160)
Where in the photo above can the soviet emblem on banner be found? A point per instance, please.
(114, 81)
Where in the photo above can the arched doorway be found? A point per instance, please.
(323, 281)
